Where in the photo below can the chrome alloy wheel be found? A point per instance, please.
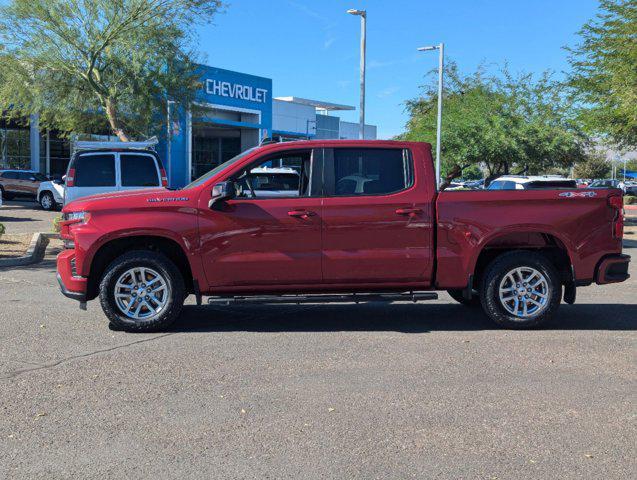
(46, 202)
(141, 293)
(524, 292)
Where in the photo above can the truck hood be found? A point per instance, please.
(124, 199)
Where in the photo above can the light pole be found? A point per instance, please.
(169, 134)
(441, 65)
(363, 15)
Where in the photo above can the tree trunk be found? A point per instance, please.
(113, 121)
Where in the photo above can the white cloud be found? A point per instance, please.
(387, 92)
(329, 41)
(389, 63)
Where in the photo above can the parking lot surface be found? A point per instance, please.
(341, 391)
(26, 216)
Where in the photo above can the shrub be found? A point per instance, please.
(2, 229)
(56, 223)
(630, 200)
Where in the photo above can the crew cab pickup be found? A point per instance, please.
(365, 223)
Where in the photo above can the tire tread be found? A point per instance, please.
(490, 299)
(158, 261)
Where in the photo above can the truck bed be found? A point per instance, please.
(579, 222)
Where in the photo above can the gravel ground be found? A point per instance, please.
(14, 245)
(339, 391)
(26, 216)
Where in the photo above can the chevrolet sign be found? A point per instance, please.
(235, 90)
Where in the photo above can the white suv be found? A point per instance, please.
(112, 169)
(519, 182)
(51, 194)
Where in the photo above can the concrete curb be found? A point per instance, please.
(33, 254)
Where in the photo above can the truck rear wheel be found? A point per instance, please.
(142, 291)
(521, 289)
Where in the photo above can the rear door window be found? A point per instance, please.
(369, 171)
(138, 170)
(10, 175)
(95, 170)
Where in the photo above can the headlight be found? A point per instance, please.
(76, 217)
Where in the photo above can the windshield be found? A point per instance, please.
(201, 180)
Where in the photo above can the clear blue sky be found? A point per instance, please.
(310, 48)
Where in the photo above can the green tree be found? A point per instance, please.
(604, 72)
(86, 65)
(596, 166)
(505, 124)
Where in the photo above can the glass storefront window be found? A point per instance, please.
(212, 146)
(15, 147)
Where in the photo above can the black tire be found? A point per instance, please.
(5, 195)
(164, 267)
(494, 275)
(47, 202)
(459, 297)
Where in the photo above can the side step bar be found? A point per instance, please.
(325, 298)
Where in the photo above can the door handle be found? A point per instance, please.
(408, 211)
(301, 213)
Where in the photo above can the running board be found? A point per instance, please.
(325, 298)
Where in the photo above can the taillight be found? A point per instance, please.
(164, 178)
(616, 202)
(70, 178)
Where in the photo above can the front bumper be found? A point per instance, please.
(612, 269)
(72, 286)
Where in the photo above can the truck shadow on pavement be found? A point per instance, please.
(405, 318)
(16, 219)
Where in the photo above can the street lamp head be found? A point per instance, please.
(353, 11)
(428, 48)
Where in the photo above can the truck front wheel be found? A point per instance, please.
(142, 291)
(521, 289)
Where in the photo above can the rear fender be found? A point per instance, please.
(512, 237)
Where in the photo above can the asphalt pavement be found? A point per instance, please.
(431, 390)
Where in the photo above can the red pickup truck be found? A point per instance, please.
(362, 221)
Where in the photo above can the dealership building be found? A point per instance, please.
(232, 112)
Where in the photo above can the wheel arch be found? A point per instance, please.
(113, 248)
(42, 192)
(548, 242)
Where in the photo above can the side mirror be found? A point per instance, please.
(222, 191)
(32, 179)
